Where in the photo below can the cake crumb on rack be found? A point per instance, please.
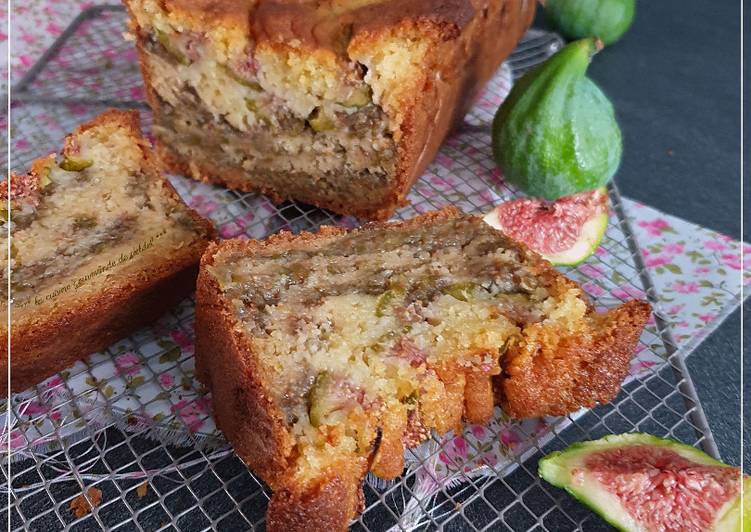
(142, 489)
(80, 506)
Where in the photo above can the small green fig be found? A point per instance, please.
(556, 133)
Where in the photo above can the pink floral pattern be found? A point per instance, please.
(128, 364)
(697, 272)
(193, 412)
(655, 227)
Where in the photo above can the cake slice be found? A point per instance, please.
(101, 244)
(335, 103)
(327, 354)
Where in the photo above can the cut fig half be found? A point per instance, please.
(641, 483)
(565, 232)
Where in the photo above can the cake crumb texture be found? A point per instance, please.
(328, 354)
(100, 245)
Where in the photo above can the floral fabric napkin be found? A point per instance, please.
(696, 272)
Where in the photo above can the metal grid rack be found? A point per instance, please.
(195, 482)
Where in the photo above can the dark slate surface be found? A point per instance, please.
(674, 80)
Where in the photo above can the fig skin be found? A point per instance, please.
(556, 134)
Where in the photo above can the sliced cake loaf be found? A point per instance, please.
(326, 354)
(336, 103)
(100, 244)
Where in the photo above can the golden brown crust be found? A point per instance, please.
(56, 342)
(242, 403)
(246, 414)
(51, 341)
(579, 373)
(429, 113)
(327, 505)
(128, 120)
(465, 61)
(315, 23)
(454, 382)
(205, 13)
(478, 397)
(388, 458)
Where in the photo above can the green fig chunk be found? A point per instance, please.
(639, 482)
(75, 164)
(254, 85)
(412, 399)
(461, 291)
(386, 300)
(317, 398)
(577, 19)
(44, 180)
(44, 176)
(360, 97)
(171, 49)
(556, 133)
(251, 105)
(84, 222)
(319, 121)
(328, 403)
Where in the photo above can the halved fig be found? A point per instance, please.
(565, 231)
(641, 483)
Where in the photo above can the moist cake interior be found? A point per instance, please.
(229, 115)
(376, 338)
(82, 220)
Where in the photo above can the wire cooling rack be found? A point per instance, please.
(131, 423)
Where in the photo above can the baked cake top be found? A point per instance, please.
(318, 23)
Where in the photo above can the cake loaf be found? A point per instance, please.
(327, 354)
(100, 245)
(338, 103)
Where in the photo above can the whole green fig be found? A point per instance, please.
(606, 19)
(556, 132)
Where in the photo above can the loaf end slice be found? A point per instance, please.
(336, 104)
(101, 244)
(327, 354)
